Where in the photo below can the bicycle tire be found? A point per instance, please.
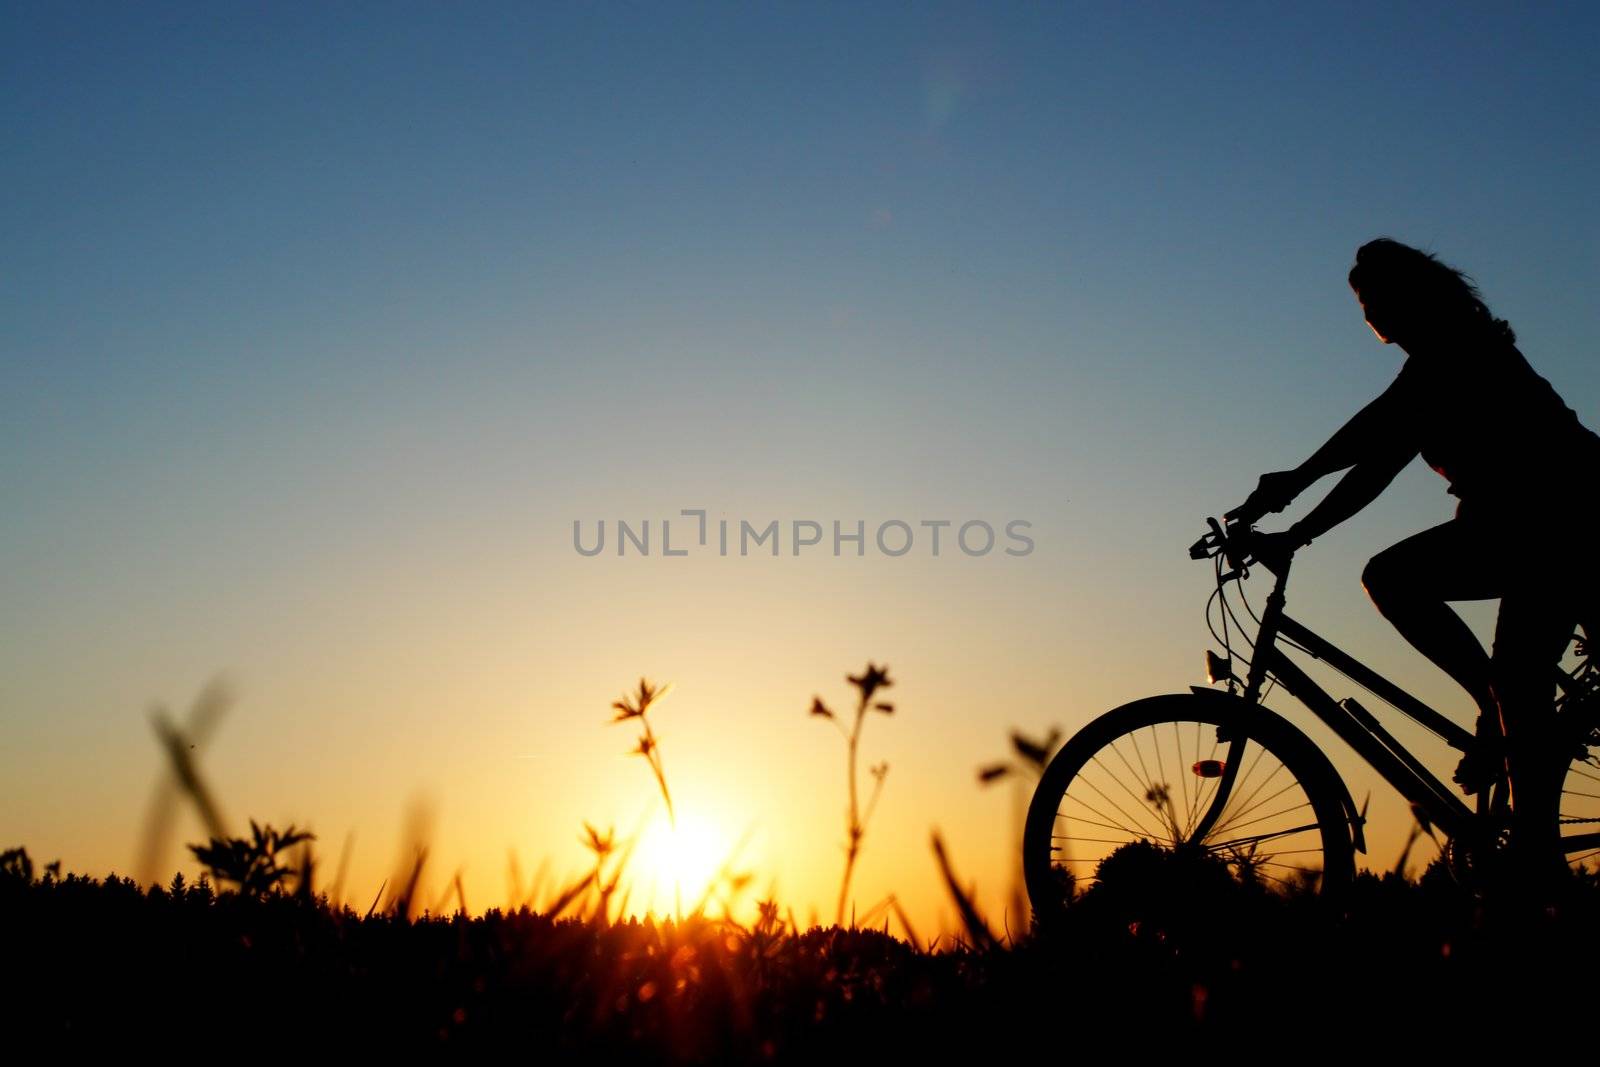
(1285, 817)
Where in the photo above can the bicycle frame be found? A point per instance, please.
(1358, 727)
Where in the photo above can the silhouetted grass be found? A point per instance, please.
(1162, 947)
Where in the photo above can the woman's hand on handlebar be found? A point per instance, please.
(1274, 550)
(1275, 491)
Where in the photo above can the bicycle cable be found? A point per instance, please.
(1228, 613)
(1245, 599)
(1227, 645)
(1218, 638)
(1288, 641)
(1272, 682)
(1227, 610)
(1225, 638)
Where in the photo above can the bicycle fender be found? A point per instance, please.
(1241, 706)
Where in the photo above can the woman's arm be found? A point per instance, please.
(1380, 429)
(1374, 431)
(1355, 491)
(1367, 478)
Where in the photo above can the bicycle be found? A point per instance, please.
(1222, 773)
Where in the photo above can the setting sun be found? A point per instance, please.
(679, 864)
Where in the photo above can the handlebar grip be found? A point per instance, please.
(1245, 514)
(1234, 540)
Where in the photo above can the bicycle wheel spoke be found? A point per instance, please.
(1100, 825)
(1156, 790)
(1141, 775)
(1078, 799)
(1583, 774)
(1183, 779)
(1260, 803)
(1138, 754)
(1203, 803)
(1243, 779)
(1237, 815)
(1248, 803)
(1138, 800)
(1294, 851)
(1095, 840)
(1252, 839)
(1261, 755)
(1195, 808)
(1161, 769)
(1274, 815)
(1138, 776)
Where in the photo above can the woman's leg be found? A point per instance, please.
(1479, 560)
(1531, 634)
(1411, 582)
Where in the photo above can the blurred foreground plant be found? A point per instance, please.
(637, 707)
(182, 745)
(977, 929)
(1030, 757)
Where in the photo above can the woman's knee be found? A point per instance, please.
(1447, 562)
(1383, 577)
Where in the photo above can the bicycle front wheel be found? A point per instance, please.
(1186, 771)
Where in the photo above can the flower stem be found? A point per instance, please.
(855, 829)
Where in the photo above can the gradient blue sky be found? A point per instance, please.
(323, 324)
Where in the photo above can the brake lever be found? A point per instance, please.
(1234, 548)
(1210, 544)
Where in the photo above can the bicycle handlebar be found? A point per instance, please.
(1232, 542)
(1218, 541)
(1236, 543)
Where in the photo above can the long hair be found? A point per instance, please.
(1419, 277)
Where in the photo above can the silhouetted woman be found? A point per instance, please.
(1520, 462)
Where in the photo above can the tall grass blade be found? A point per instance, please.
(977, 929)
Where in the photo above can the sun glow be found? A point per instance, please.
(677, 864)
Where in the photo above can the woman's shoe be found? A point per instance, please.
(1484, 763)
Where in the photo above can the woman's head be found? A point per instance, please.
(1408, 294)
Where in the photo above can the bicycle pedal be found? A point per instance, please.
(1478, 770)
